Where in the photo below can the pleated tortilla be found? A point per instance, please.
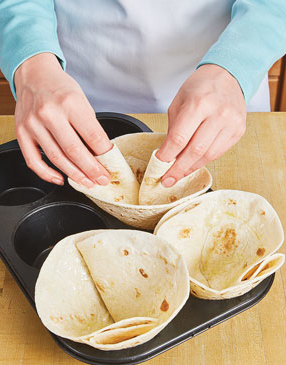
(137, 149)
(152, 192)
(229, 240)
(111, 289)
(123, 186)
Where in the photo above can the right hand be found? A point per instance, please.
(51, 112)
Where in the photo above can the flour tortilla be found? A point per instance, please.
(152, 192)
(67, 301)
(70, 305)
(137, 149)
(226, 238)
(149, 272)
(123, 186)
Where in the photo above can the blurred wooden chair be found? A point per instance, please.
(277, 83)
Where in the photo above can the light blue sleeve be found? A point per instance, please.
(27, 28)
(254, 39)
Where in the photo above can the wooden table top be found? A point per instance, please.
(258, 336)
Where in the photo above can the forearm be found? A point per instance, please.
(254, 39)
(27, 28)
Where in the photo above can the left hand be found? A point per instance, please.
(206, 118)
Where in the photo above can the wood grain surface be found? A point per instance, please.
(255, 337)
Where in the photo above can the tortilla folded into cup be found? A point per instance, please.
(153, 200)
(228, 239)
(111, 289)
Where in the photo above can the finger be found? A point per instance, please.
(34, 160)
(195, 150)
(182, 128)
(58, 158)
(91, 131)
(222, 143)
(77, 152)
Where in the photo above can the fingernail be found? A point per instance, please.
(57, 181)
(102, 180)
(168, 182)
(86, 182)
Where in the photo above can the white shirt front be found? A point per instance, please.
(131, 56)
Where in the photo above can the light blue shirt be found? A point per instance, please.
(251, 37)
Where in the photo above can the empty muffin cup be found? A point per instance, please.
(18, 184)
(40, 230)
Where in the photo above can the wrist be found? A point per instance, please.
(34, 68)
(220, 74)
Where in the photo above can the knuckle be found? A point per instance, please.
(196, 102)
(30, 122)
(75, 176)
(44, 110)
(19, 129)
(224, 113)
(54, 157)
(199, 149)
(73, 150)
(31, 163)
(93, 137)
(178, 139)
(67, 99)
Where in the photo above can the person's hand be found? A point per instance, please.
(206, 118)
(52, 112)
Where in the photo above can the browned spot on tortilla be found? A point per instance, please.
(164, 306)
(204, 185)
(54, 319)
(114, 175)
(192, 207)
(224, 240)
(71, 316)
(61, 318)
(121, 197)
(139, 174)
(262, 212)
(100, 286)
(151, 180)
(172, 198)
(92, 314)
(231, 201)
(125, 252)
(94, 246)
(138, 294)
(79, 318)
(143, 273)
(184, 233)
(250, 273)
(260, 251)
(194, 292)
(115, 182)
(164, 259)
(244, 266)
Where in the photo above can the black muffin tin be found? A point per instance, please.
(34, 215)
